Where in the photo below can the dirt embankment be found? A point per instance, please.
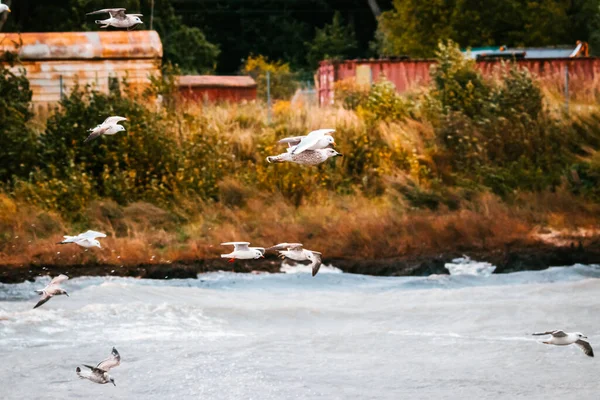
(511, 258)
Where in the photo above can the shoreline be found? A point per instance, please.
(511, 258)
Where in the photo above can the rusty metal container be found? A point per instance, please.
(84, 58)
(214, 88)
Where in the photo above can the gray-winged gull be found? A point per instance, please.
(118, 18)
(561, 338)
(242, 251)
(87, 239)
(296, 252)
(319, 139)
(110, 126)
(52, 290)
(99, 373)
(307, 157)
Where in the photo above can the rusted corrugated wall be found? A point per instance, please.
(83, 58)
(406, 74)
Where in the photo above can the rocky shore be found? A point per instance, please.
(511, 258)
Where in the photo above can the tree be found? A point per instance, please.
(334, 41)
(414, 27)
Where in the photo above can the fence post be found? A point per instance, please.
(269, 97)
(61, 86)
(567, 88)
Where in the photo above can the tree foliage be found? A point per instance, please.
(336, 41)
(414, 27)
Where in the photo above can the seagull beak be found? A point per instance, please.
(262, 256)
(339, 155)
(8, 9)
(333, 144)
(585, 337)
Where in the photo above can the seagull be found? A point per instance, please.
(319, 139)
(243, 252)
(296, 252)
(307, 157)
(118, 18)
(110, 126)
(100, 372)
(4, 7)
(561, 338)
(52, 290)
(87, 239)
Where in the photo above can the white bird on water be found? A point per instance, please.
(319, 139)
(110, 126)
(52, 290)
(561, 338)
(4, 7)
(118, 18)
(87, 239)
(296, 252)
(241, 251)
(307, 157)
(99, 373)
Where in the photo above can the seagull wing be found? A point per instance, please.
(44, 299)
(316, 265)
(92, 235)
(237, 245)
(96, 371)
(309, 140)
(292, 141)
(136, 15)
(586, 347)
(112, 11)
(261, 249)
(96, 133)
(114, 120)
(113, 361)
(286, 246)
(555, 333)
(58, 279)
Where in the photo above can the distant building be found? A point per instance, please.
(214, 88)
(56, 61)
(546, 63)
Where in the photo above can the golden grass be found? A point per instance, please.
(339, 226)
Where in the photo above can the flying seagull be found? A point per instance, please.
(4, 7)
(307, 157)
(319, 139)
(242, 251)
(87, 239)
(561, 338)
(99, 373)
(296, 252)
(52, 290)
(110, 126)
(118, 18)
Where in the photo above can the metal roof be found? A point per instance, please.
(526, 53)
(82, 45)
(216, 81)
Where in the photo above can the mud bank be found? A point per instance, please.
(511, 258)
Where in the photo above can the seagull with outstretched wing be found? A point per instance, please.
(51, 290)
(562, 338)
(118, 18)
(99, 373)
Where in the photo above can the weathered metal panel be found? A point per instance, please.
(83, 45)
(407, 74)
(218, 93)
(242, 81)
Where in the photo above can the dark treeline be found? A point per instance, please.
(217, 35)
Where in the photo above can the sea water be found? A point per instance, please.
(292, 336)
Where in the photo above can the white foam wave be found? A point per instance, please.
(465, 266)
(307, 269)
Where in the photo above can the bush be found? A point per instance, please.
(17, 140)
(385, 104)
(283, 81)
(350, 94)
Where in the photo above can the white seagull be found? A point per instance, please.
(118, 18)
(307, 157)
(110, 126)
(296, 252)
(243, 252)
(99, 373)
(4, 7)
(319, 139)
(87, 239)
(52, 290)
(561, 338)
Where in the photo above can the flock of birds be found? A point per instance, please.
(312, 149)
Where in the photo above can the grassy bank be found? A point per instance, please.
(466, 165)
